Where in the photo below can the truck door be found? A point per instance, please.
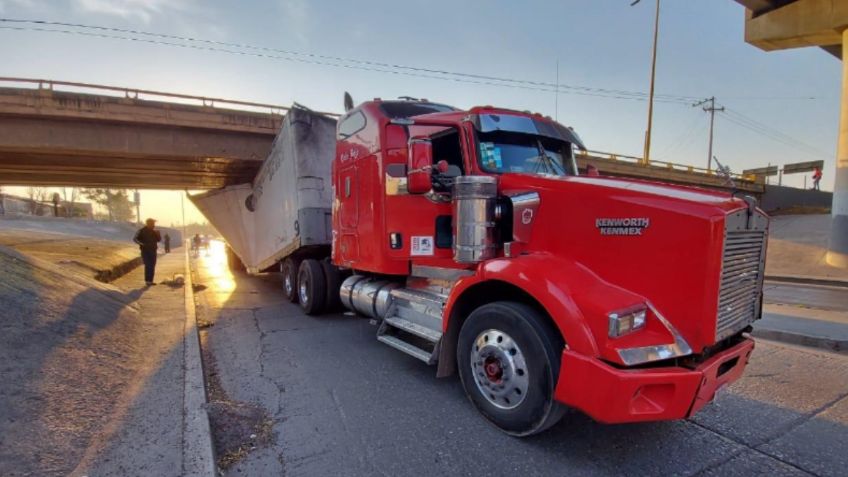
(423, 221)
(350, 153)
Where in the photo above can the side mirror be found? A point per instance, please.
(419, 167)
(592, 171)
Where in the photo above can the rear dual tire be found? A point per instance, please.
(289, 268)
(316, 285)
(311, 287)
(508, 357)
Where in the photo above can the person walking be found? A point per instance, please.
(167, 243)
(195, 245)
(148, 239)
(817, 175)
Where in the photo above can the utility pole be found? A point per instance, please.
(137, 197)
(711, 109)
(556, 98)
(646, 155)
(182, 207)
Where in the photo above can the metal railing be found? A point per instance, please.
(666, 165)
(133, 93)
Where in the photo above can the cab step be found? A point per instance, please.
(406, 347)
(414, 323)
(428, 334)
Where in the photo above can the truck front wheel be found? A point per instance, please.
(508, 358)
(311, 287)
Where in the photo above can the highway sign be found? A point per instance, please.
(802, 167)
(762, 171)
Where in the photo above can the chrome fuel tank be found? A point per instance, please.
(367, 296)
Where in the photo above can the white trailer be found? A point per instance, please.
(284, 216)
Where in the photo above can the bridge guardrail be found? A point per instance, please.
(133, 93)
(668, 165)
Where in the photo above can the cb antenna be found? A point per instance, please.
(724, 171)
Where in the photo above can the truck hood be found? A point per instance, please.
(661, 242)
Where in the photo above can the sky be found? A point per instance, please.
(589, 47)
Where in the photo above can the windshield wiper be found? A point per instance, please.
(550, 164)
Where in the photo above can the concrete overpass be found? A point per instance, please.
(781, 24)
(124, 138)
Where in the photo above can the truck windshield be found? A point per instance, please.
(502, 152)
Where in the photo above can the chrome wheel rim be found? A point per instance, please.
(287, 284)
(304, 297)
(499, 369)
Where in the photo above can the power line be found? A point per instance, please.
(242, 49)
(333, 61)
(791, 143)
(770, 130)
(683, 139)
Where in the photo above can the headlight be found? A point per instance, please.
(627, 321)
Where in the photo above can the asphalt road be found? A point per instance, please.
(344, 404)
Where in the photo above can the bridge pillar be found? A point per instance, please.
(837, 254)
(772, 25)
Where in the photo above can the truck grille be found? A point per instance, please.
(741, 280)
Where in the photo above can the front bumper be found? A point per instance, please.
(613, 395)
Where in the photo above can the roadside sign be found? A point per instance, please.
(802, 167)
(762, 171)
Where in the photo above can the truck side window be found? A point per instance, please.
(446, 147)
(351, 125)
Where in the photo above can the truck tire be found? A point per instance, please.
(334, 283)
(311, 287)
(508, 358)
(289, 269)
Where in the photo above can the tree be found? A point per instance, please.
(37, 195)
(70, 198)
(116, 202)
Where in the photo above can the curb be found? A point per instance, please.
(838, 346)
(198, 451)
(808, 280)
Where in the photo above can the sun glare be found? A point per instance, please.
(216, 269)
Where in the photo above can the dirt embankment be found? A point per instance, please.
(104, 260)
(69, 344)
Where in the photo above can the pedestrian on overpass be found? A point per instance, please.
(148, 239)
(817, 175)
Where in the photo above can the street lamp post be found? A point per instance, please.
(646, 156)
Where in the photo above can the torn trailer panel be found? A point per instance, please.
(288, 205)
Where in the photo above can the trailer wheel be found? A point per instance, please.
(311, 287)
(334, 284)
(508, 358)
(289, 270)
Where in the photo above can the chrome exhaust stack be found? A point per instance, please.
(474, 218)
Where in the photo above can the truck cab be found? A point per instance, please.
(478, 245)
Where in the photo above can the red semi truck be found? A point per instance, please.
(478, 246)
